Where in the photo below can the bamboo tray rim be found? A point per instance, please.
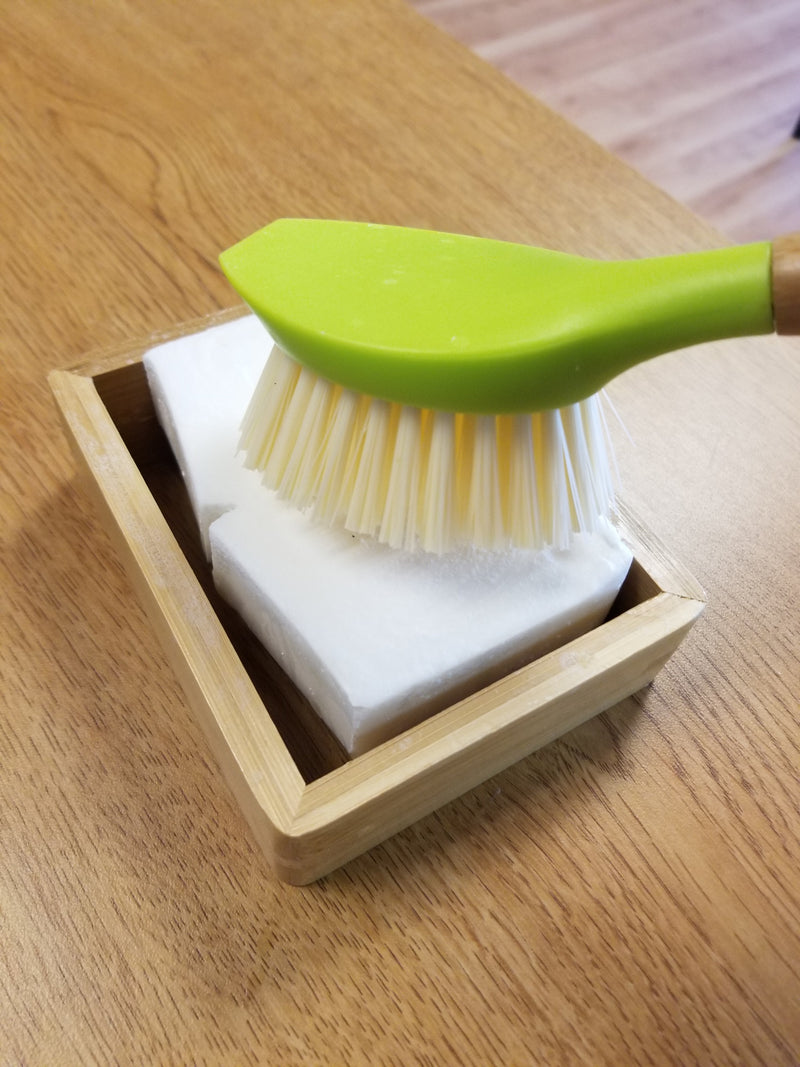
(307, 829)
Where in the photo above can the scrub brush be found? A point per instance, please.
(430, 389)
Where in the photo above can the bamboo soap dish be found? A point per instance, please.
(310, 807)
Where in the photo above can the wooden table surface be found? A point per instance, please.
(629, 894)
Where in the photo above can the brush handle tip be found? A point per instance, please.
(786, 283)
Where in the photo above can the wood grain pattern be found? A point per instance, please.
(626, 895)
(701, 96)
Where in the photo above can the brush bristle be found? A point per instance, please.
(415, 478)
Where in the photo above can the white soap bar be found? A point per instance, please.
(201, 385)
(375, 638)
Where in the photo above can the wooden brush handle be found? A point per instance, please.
(786, 283)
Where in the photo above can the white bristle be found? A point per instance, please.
(484, 515)
(416, 478)
(525, 522)
(263, 419)
(399, 524)
(290, 438)
(312, 434)
(368, 497)
(337, 440)
(439, 492)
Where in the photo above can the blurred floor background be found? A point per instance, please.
(701, 96)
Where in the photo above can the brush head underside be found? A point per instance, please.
(416, 478)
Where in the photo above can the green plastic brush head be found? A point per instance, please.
(460, 323)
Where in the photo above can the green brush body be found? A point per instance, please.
(467, 324)
(390, 329)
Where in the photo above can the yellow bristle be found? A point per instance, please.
(422, 479)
